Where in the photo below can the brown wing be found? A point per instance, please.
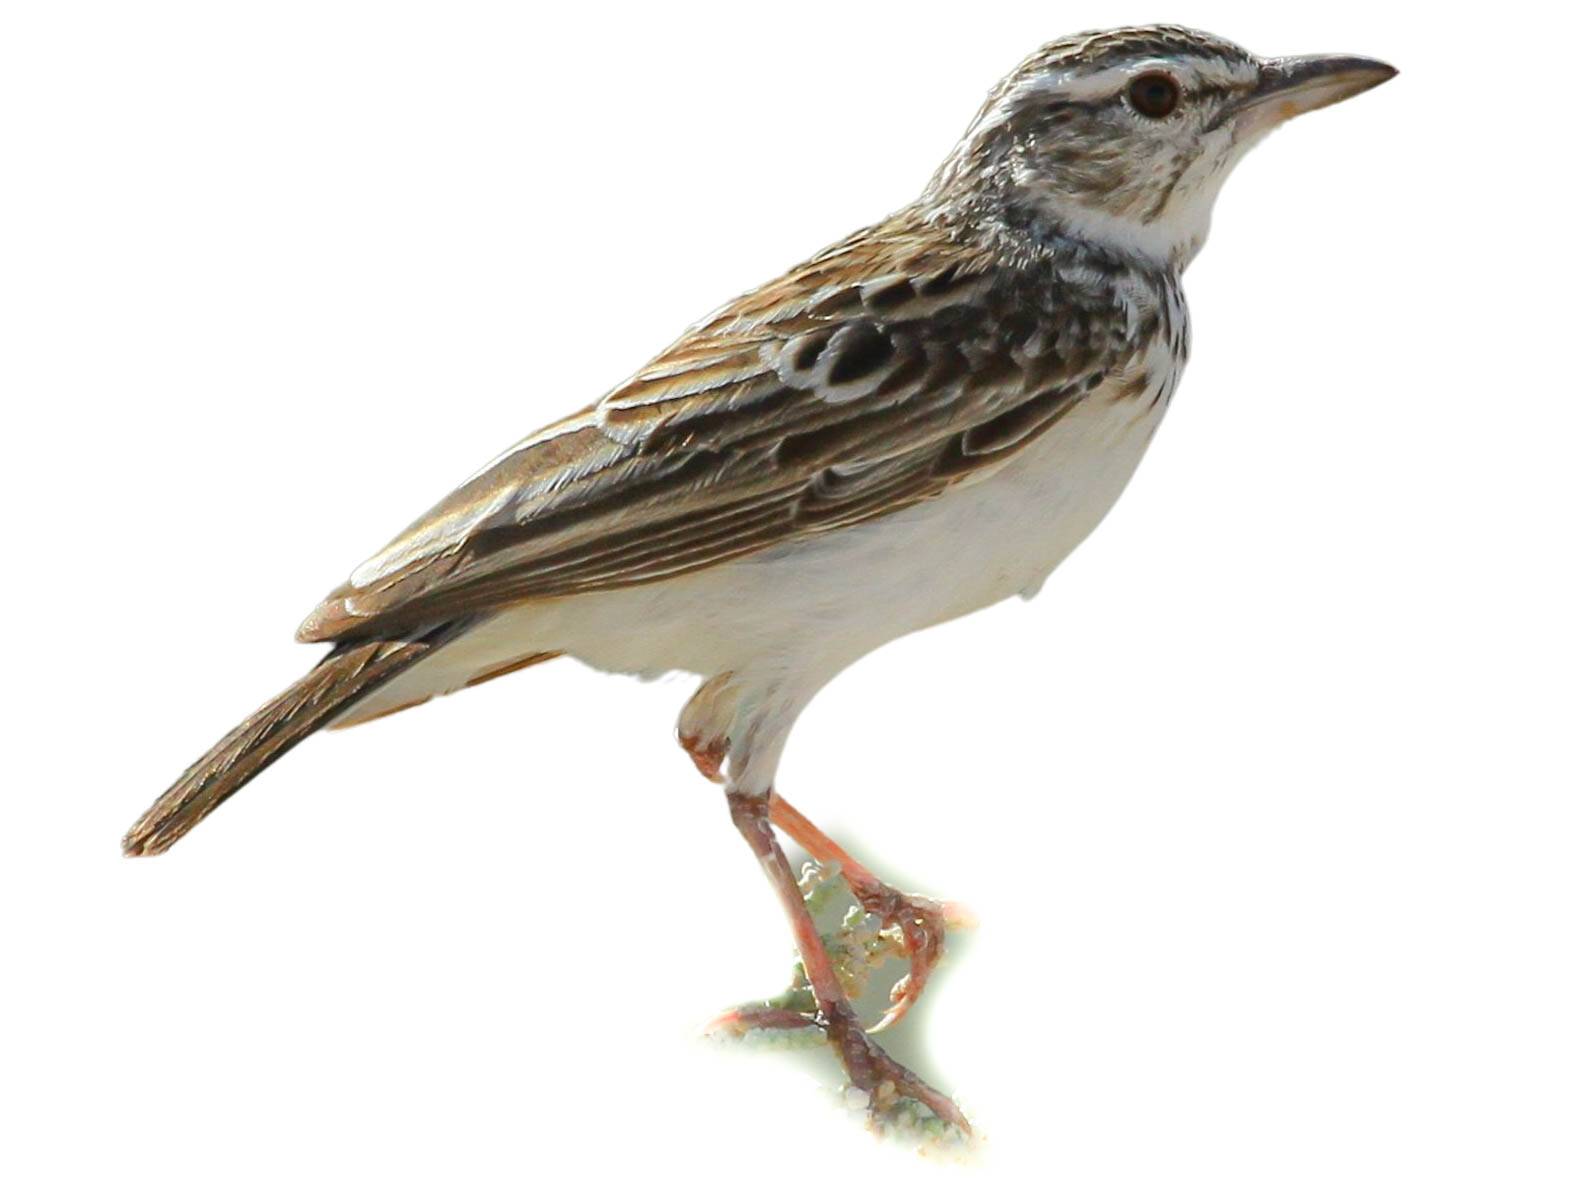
(876, 375)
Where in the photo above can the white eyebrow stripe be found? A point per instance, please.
(1084, 86)
(1078, 85)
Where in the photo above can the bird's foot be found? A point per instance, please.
(886, 925)
(909, 925)
(920, 925)
(883, 1082)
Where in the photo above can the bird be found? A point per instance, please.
(919, 421)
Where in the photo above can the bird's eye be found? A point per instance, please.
(1154, 95)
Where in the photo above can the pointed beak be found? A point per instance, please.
(1292, 86)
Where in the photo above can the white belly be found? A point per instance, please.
(846, 593)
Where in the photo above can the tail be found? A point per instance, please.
(342, 678)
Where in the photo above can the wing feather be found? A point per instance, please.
(876, 375)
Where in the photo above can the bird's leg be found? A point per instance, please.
(867, 1066)
(922, 922)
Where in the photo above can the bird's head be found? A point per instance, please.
(1124, 137)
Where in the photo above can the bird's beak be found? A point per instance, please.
(1292, 86)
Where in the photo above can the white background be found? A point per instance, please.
(1269, 805)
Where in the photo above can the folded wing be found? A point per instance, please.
(880, 373)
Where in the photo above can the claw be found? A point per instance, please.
(922, 924)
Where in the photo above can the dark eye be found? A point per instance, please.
(1154, 95)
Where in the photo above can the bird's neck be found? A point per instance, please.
(1168, 244)
(1031, 224)
(1029, 234)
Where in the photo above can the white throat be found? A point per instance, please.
(1169, 241)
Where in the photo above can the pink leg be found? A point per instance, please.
(922, 921)
(867, 1066)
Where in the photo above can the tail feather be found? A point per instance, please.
(344, 677)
